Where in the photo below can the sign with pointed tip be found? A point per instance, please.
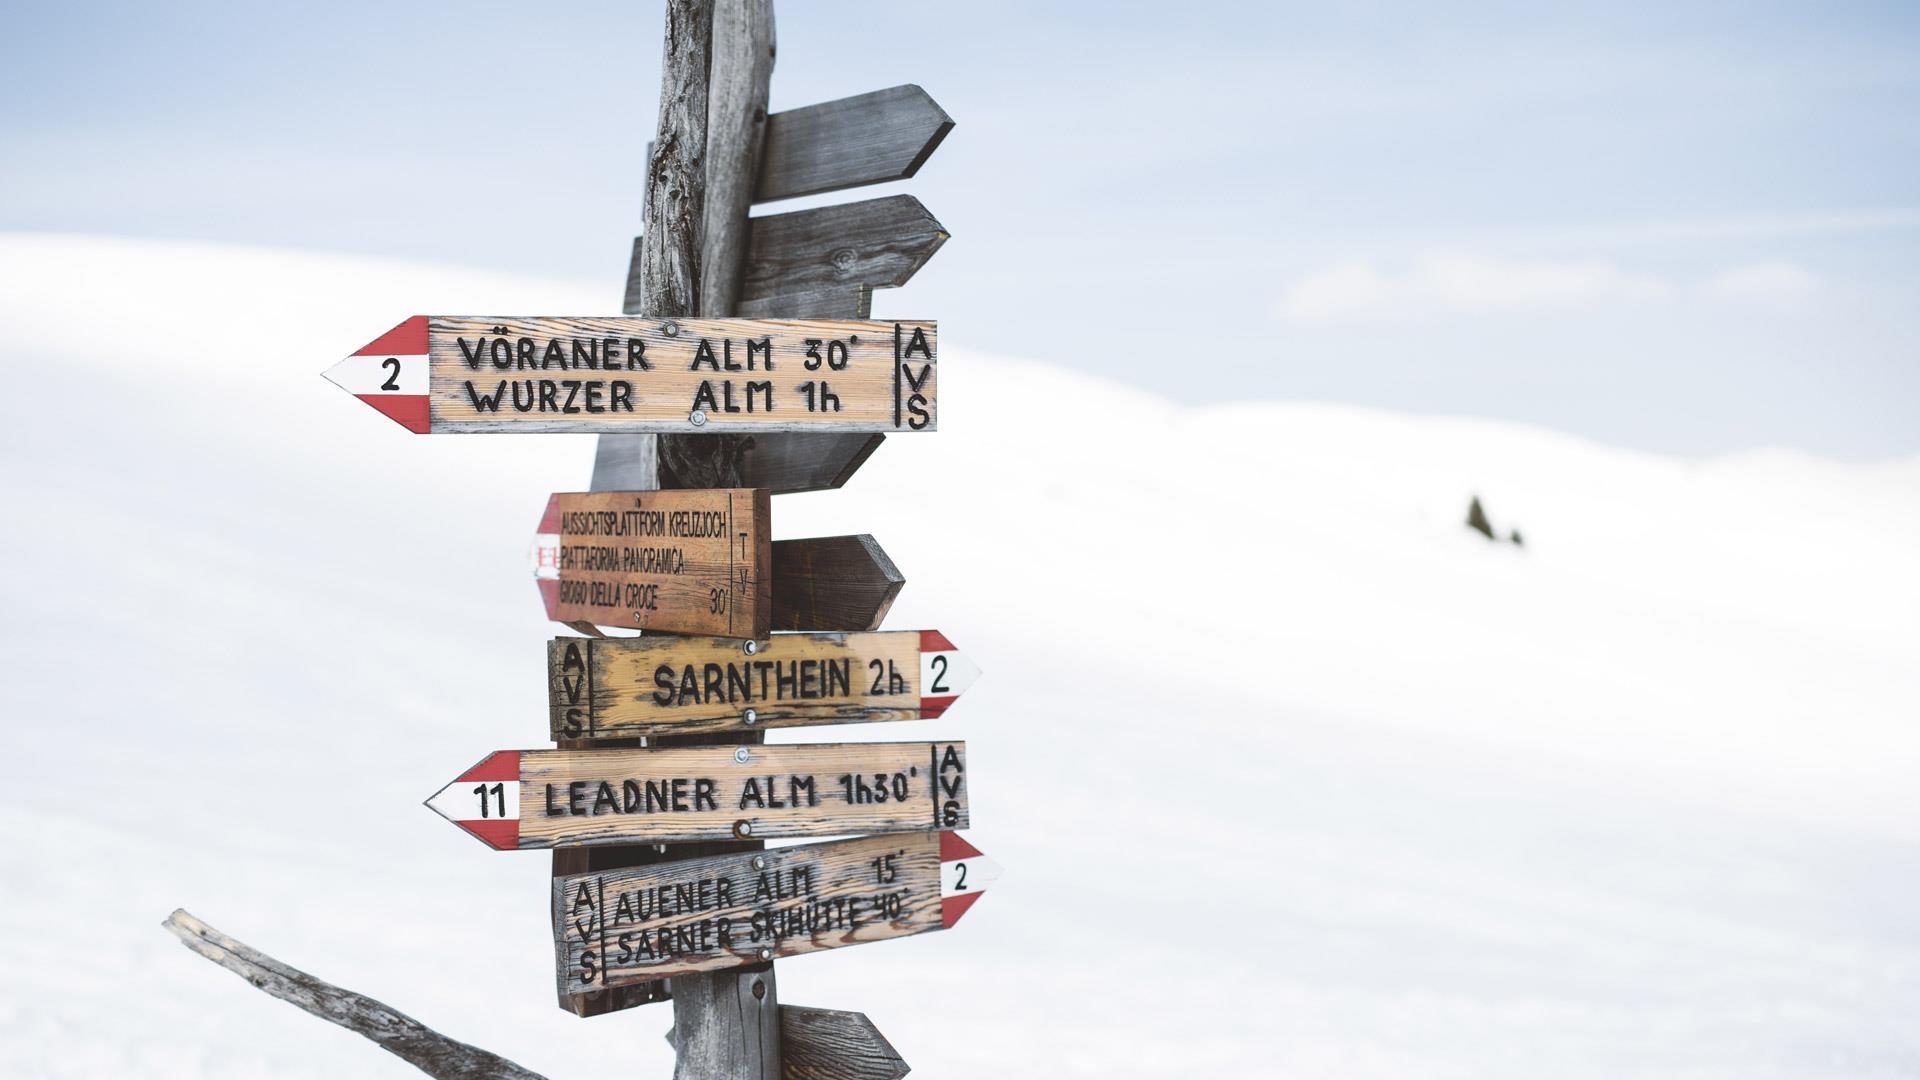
(616, 927)
(515, 799)
(630, 374)
(689, 562)
(617, 688)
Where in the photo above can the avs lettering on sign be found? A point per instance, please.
(619, 927)
(690, 562)
(554, 798)
(632, 374)
(626, 687)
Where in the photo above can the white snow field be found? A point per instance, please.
(1291, 774)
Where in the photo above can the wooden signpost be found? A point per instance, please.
(435, 374)
(515, 799)
(627, 926)
(612, 688)
(746, 365)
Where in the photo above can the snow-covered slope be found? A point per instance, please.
(1291, 773)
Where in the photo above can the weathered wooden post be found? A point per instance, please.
(714, 75)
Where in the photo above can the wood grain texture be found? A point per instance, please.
(659, 685)
(628, 374)
(727, 1024)
(391, 1030)
(832, 1044)
(783, 462)
(865, 139)
(832, 583)
(828, 302)
(695, 562)
(742, 62)
(699, 793)
(676, 170)
(876, 243)
(721, 912)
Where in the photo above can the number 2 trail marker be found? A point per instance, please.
(515, 799)
(635, 374)
(615, 688)
(627, 926)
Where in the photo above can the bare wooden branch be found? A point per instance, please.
(394, 1031)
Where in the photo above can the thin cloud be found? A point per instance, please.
(1450, 282)
(1442, 282)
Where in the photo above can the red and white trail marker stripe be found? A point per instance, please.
(964, 875)
(619, 688)
(390, 373)
(485, 800)
(616, 927)
(945, 673)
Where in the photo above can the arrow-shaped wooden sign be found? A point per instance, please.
(649, 922)
(689, 562)
(700, 562)
(617, 688)
(618, 374)
(551, 798)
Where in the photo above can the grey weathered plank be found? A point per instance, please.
(736, 126)
(831, 302)
(832, 583)
(735, 1017)
(727, 1024)
(391, 1030)
(783, 462)
(832, 1044)
(855, 141)
(676, 170)
(876, 242)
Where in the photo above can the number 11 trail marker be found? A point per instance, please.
(515, 799)
(635, 374)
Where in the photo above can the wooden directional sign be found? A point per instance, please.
(554, 798)
(616, 688)
(648, 922)
(637, 374)
(689, 562)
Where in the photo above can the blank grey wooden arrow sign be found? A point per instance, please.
(831, 1044)
(865, 139)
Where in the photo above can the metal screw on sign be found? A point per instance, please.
(750, 717)
(759, 862)
(670, 328)
(743, 828)
(766, 953)
(750, 647)
(697, 417)
(741, 755)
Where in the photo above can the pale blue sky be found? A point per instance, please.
(1685, 228)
